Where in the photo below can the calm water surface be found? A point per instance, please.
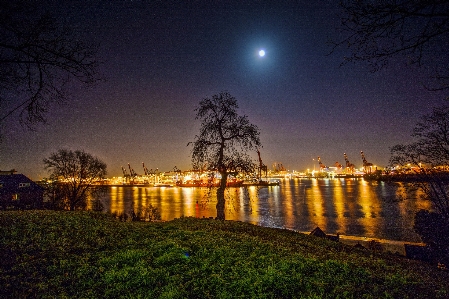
(353, 207)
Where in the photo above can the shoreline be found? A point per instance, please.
(392, 246)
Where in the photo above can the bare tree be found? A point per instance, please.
(428, 157)
(417, 31)
(426, 164)
(38, 57)
(75, 175)
(224, 141)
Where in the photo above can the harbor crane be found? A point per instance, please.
(132, 173)
(262, 167)
(278, 167)
(349, 166)
(366, 165)
(124, 172)
(126, 176)
(322, 166)
(145, 170)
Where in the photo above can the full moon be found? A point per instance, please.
(261, 53)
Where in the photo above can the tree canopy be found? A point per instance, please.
(431, 145)
(416, 31)
(74, 173)
(224, 141)
(38, 56)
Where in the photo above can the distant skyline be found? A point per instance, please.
(160, 60)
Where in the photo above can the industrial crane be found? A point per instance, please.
(278, 167)
(262, 167)
(124, 172)
(322, 166)
(349, 166)
(126, 176)
(132, 173)
(145, 170)
(338, 165)
(366, 165)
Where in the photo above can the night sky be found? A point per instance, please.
(160, 60)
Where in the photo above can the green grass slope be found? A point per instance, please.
(45, 254)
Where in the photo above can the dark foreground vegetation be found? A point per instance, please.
(91, 255)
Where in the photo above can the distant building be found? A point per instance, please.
(18, 191)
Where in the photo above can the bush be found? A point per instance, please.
(434, 231)
(149, 213)
(97, 205)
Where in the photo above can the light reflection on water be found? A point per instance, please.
(347, 206)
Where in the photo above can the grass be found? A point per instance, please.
(48, 254)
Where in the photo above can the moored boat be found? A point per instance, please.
(262, 183)
(236, 183)
(163, 185)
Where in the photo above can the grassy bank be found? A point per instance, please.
(90, 255)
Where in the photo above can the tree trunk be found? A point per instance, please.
(221, 197)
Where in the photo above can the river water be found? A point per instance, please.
(350, 207)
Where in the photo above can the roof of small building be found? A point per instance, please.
(318, 232)
(11, 181)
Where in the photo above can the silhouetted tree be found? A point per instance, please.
(434, 230)
(74, 174)
(224, 141)
(427, 163)
(38, 57)
(418, 31)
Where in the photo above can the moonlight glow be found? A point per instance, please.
(261, 53)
